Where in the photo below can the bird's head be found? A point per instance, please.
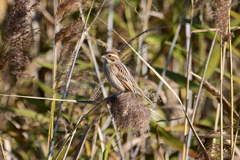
(111, 57)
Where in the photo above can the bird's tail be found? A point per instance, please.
(146, 98)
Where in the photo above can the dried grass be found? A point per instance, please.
(67, 7)
(77, 80)
(221, 17)
(18, 38)
(213, 149)
(69, 35)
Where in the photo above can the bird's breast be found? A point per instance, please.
(110, 73)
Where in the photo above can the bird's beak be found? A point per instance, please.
(104, 56)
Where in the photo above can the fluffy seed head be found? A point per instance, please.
(129, 112)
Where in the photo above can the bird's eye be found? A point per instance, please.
(110, 55)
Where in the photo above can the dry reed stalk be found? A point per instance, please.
(18, 38)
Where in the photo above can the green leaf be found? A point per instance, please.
(235, 14)
(30, 114)
(227, 74)
(176, 46)
(84, 65)
(208, 121)
(46, 88)
(234, 50)
(154, 39)
(178, 78)
(213, 62)
(105, 153)
(118, 20)
(172, 141)
(39, 103)
(45, 64)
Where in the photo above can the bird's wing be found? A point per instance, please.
(123, 76)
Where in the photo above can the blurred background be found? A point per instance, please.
(34, 32)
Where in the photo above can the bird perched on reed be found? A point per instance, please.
(119, 77)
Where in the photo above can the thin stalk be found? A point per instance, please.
(55, 49)
(1, 145)
(200, 89)
(216, 121)
(235, 141)
(129, 139)
(223, 53)
(231, 88)
(146, 7)
(189, 68)
(231, 80)
(94, 146)
(169, 57)
(101, 137)
(213, 29)
(141, 38)
(69, 144)
(31, 97)
(110, 24)
(51, 99)
(188, 93)
(221, 105)
(143, 150)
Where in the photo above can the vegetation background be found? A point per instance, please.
(43, 43)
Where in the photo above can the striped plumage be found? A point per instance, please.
(119, 77)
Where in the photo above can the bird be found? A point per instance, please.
(119, 76)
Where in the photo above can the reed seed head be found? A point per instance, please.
(128, 112)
